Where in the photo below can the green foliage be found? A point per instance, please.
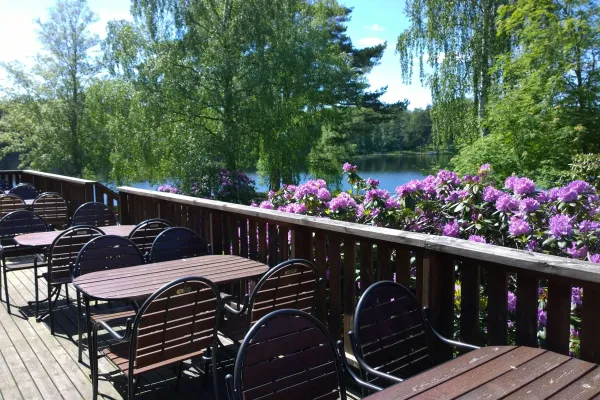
(585, 167)
(45, 117)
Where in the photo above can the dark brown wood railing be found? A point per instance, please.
(76, 191)
(340, 248)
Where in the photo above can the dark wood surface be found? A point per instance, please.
(135, 283)
(502, 372)
(42, 239)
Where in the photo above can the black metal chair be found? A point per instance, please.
(24, 191)
(94, 214)
(5, 185)
(53, 208)
(11, 225)
(291, 284)
(177, 243)
(178, 322)
(289, 354)
(145, 232)
(10, 203)
(100, 254)
(62, 255)
(390, 336)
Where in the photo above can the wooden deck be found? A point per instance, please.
(37, 365)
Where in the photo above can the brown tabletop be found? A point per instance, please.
(43, 239)
(502, 372)
(139, 282)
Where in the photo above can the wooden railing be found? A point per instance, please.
(339, 249)
(76, 191)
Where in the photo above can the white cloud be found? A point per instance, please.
(375, 28)
(371, 41)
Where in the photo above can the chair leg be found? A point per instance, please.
(88, 324)
(79, 317)
(6, 290)
(37, 294)
(94, 365)
(132, 386)
(179, 373)
(50, 309)
(214, 370)
(67, 292)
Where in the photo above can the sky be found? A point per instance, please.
(373, 22)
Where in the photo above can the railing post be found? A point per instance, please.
(216, 221)
(497, 305)
(441, 298)
(590, 323)
(125, 209)
(349, 287)
(527, 306)
(469, 302)
(559, 316)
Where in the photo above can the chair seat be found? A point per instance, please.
(233, 327)
(118, 354)
(59, 281)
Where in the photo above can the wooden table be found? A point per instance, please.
(502, 372)
(44, 239)
(139, 282)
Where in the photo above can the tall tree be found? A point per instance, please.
(455, 43)
(46, 114)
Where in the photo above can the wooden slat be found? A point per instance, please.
(559, 314)
(349, 285)
(366, 265)
(44, 239)
(272, 245)
(527, 306)
(253, 239)
(590, 324)
(262, 242)
(384, 262)
(469, 302)
(234, 235)
(497, 304)
(335, 287)
(441, 299)
(243, 237)
(217, 232)
(587, 387)
(320, 263)
(419, 278)
(284, 252)
(402, 266)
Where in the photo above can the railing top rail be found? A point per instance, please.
(543, 263)
(55, 176)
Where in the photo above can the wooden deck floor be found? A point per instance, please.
(36, 365)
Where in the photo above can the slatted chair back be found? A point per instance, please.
(24, 191)
(10, 203)
(177, 243)
(391, 331)
(4, 185)
(145, 232)
(20, 222)
(94, 214)
(107, 252)
(53, 208)
(288, 354)
(291, 284)
(64, 250)
(176, 323)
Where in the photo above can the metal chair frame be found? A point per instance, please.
(164, 235)
(11, 249)
(249, 300)
(26, 191)
(77, 272)
(49, 213)
(78, 219)
(13, 201)
(132, 331)
(72, 249)
(138, 234)
(355, 339)
(235, 382)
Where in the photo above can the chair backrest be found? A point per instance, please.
(145, 232)
(10, 203)
(53, 208)
(94, 214)
(107, 252)
(177, 243)
(65, 248)
(288, 353)
(391, 331)
(24, 191)
(179, 321)
(5, 185)
(21, 222)
(291, 284)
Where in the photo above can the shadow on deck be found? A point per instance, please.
(36, 365)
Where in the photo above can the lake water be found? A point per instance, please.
(391, 170)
